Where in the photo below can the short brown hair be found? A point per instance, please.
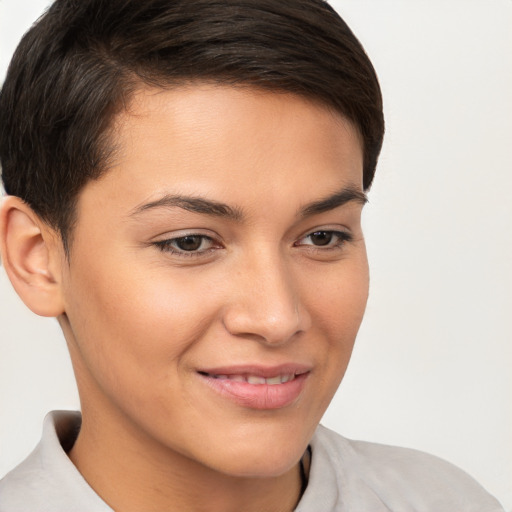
(76, 67)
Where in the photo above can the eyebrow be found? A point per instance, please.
(340, 198)
(217, 209)
(192, 204)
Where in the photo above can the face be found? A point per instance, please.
(218, 276)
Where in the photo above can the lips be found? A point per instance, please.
(256, 379)
(258, 387)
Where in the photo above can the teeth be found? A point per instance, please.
(255, 379)
(252, 379)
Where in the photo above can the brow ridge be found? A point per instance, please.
(192, 204)
(215, 208)
(340, 198)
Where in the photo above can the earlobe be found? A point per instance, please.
(30, 255)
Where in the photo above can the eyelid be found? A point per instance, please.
(180, 233)
(342, 230)
(343, 236)
(164, 242)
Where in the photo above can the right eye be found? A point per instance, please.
(188, 245)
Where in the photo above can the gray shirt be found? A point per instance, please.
(345, 476)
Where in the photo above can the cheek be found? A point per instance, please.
(339, 300)
(338, 308)
(132, 328)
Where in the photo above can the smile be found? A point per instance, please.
(256, 379)
(257, 388)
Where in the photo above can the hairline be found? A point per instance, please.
(133, 86)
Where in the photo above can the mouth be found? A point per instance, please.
(258, 388)
(254, 379)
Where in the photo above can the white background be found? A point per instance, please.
(432, 365)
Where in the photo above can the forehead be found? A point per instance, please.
(229, 142)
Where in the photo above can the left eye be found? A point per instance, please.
(325, 238)
(186, 244)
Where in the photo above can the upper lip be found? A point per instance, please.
(258, 370)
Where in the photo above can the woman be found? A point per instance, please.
(185, 184)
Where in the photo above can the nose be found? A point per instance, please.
(265, 303)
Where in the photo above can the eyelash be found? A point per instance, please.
(167, 245)
(342, 238)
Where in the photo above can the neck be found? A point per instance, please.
(131, 473)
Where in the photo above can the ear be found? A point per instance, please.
(32, 255)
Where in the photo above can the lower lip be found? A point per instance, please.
(258, 396)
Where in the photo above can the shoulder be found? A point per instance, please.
(402, 478)
(47, 480)
(23, 483)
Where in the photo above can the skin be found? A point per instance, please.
(141, 320)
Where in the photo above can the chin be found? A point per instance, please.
(264, 466)
(265, 456)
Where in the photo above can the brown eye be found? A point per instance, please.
(189, 243)
(321, 237)
(325, 239)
